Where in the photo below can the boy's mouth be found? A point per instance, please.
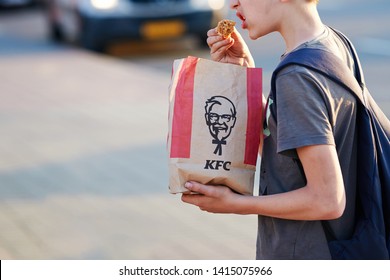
(243, 19)
(240, 16)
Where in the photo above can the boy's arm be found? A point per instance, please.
(323, 198)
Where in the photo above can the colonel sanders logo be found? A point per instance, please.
(220, 118)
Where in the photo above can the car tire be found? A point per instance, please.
(88, 42)
(55, 32)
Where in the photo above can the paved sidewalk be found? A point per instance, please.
(83, 167)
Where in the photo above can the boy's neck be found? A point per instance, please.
(300, 26)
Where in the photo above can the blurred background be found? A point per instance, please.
(83, 123)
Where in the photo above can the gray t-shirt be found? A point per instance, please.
(310, 110)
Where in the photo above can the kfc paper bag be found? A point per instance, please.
(215, 114)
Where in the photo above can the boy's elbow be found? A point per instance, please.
(332, 203)
(334, 213)
(334, 209)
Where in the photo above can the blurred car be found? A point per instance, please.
(15, 3)
(93, 24)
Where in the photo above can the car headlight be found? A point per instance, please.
(208, 4)
(104, 4)
(216, 4)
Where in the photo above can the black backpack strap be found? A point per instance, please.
(332, 67)
(324, 63)
(358, 67)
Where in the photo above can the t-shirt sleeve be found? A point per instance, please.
(302, 115)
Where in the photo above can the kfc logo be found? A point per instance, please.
(220, 118)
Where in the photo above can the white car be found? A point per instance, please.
(93, 24)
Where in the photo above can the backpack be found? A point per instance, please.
(371, 237)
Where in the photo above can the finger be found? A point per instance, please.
(191, 199)
(236, 34)
(221, 48)
(201, 189)
(221, 44)
(212, 40)
(212, 32)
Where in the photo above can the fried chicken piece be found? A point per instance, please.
(225, 28)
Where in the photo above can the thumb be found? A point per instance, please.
(199, 188)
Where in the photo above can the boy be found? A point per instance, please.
(308, 168)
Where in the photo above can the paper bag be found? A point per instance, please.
(215, 112)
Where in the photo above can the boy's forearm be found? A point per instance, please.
(300, 204)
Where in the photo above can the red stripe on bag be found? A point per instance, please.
(182, 114)
(253, 129)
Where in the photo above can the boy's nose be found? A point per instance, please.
(234, 4)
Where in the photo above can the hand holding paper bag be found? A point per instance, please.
(214, 124)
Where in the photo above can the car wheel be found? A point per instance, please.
(55, 32)
(86, 38)
(54, 28)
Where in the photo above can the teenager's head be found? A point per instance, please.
(261, 17)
